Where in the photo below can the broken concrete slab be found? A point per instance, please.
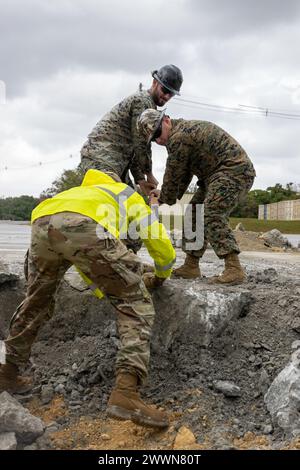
(8, 441)
(17, 419)
(275, 238)
(195, 312)
(188, 311)
(283, 397)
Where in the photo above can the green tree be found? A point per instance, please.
(17, 208)
(67, 180)
(277, 193)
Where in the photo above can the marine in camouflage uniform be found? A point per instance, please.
(225, 174)
(64, 238)
(224, 171)
(115, 144)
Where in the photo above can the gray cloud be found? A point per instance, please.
(65, 63)
(231, 17)
(44, 37)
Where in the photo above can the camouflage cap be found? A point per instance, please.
(149, 122)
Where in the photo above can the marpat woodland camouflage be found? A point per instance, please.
(115, 144)
(225, 174)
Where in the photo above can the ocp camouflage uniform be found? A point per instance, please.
(115, 144)
(67, 238)
(225, 174)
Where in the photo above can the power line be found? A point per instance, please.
(271, 112)
(35, 165)
(242, 109)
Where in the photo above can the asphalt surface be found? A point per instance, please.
(15, 240)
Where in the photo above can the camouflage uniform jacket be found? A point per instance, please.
(203, 149)
(115, 144)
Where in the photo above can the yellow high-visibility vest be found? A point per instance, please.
(117, 208)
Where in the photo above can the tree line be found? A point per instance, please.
(20, 208)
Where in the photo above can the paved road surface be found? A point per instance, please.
(15, 239)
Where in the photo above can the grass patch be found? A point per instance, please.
(253, 225)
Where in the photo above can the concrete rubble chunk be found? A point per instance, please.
(296, 324)
(8, 278)
(283, 397)
(275, 238)
(8, 441)
(47, 393)
(296, 344)
(17, 419)
(32, 447)
(229, 389)
(240, 227)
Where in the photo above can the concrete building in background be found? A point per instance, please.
(284, 210)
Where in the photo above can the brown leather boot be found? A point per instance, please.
(11, 382)
(190, 269)
(233, 272)
(126, 403)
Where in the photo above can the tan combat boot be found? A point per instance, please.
(126, 403)
(190, 269)
(233, 272)
(11, 382)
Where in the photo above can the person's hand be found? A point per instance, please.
(155, 192)
(152, 281)
(146, 187)
(153, 198)
(151, 179)
(153, 201)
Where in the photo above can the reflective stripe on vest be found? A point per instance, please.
(166, 267)
(126, 193)
(94, 288)
(148, 220)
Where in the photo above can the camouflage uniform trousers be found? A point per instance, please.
(219, 195)
(68, 238)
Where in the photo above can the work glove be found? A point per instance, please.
(152, 281)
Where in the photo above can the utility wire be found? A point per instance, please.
(242, 109)
(35, 165)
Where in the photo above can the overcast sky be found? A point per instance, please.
(64, 63)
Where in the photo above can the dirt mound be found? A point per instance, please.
(74, 374)
(253, 241)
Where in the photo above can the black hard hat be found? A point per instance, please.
(170, 77)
